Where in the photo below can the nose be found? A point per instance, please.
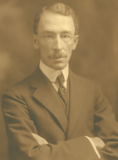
(57, 44)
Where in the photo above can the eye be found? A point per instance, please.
(48, 36)
(66, 37)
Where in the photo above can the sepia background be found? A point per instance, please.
(96, 56)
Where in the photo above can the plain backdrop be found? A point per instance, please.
(96, 56)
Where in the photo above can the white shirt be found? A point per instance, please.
(52, 74)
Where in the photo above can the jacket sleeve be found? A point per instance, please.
(106, 126)
(20, 126)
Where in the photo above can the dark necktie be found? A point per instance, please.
(62, 89)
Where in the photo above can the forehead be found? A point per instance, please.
(55, 22)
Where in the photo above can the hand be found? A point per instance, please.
(98, 142)
(39, 139)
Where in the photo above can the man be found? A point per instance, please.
(54, 114)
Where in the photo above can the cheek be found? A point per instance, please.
(69, 47)
(45, 47)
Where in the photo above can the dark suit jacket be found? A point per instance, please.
(33, 106)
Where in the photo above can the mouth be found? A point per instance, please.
(59, 60)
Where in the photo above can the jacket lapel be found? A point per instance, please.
(48, 97)
(77, 95)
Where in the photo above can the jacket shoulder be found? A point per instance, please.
(19, 87)
(84, 81)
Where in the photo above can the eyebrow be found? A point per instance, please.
(45, 32)
(67, 32)
(52, 32)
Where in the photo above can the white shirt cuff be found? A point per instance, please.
(94, 147)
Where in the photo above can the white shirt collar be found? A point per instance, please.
(51, 73)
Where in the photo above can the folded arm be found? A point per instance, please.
(96, 142)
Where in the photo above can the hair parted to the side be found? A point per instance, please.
(58, 8)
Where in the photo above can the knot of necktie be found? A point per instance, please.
(61, 80)
(62, 88)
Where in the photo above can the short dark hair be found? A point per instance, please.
(58, 8)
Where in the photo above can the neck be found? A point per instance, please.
(51, 73)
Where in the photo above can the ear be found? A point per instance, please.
(35, 41)
(76, 39)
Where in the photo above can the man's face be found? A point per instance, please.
(56, 39)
